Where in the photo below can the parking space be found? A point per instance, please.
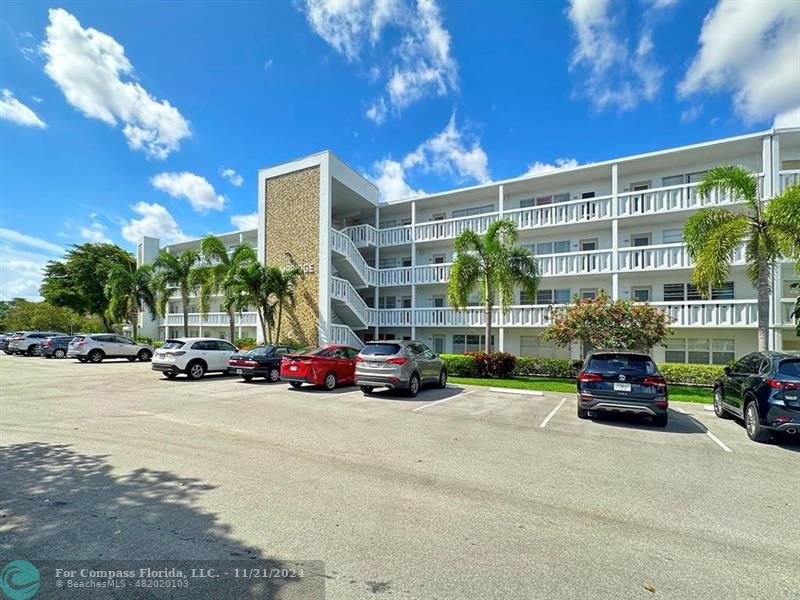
(459, 492)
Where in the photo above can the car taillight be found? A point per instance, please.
(249, 363)
(359, 359)
(774, 383)
(654, 380)
(397, 361)
(179, 353)
(589, 377)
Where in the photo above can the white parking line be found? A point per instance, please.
(498, 390)
(465, 393)
(552, 413)
(707, 431)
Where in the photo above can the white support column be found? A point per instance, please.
(766, 166)
(501, 200)
(413, 269)
(502, 340)
(501, 208)
(614, 232)
(325, 211)
(377, 265)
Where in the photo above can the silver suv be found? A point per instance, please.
(27, 342)
(94, 347)
(405, 365)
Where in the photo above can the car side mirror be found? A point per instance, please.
(727, 370)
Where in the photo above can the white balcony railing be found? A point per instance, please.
(394, 236)
(662, 256)
(435, 273)
(212, 319)
(788, 178)
(561, 213)
(362, 235)
(342, 334)
(451, 228)
(575, 263)
(728, 313)
(343, 290)
(669, 199)
(397, 276)
(344, 245)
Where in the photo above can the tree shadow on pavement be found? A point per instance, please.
(58, 504)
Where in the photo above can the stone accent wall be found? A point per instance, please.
(292, 225)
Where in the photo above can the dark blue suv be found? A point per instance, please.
(763, 388)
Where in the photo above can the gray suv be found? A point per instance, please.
(405, 365)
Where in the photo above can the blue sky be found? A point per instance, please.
(123, 119)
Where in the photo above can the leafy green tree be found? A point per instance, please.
(493, 264)
(129, 291)
(284, 286)
(252, 284)
(43, 316)
(78, 280)
(217, 265)
(175, 272)
(603, 323)
(768, 230)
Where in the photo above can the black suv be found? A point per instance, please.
(622, 382)
(763, 388)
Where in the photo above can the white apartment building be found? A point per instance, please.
(380, 270)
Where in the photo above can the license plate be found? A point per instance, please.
(374, 365)
(293, 367)
(237, 371)
(159, 355)
(622, 387)
(792, 397)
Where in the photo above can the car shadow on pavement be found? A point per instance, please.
(426, 394)
(784, 441)
(57, 504)
(678, 422)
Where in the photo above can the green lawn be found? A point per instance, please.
(678, 393)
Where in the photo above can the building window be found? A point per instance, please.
(534, 345)
(406, 301)
(674, 292)
(561, 296)
(723, 293)
(676, 350)
(672, 236)
(387, 302)
(470, 343)
(476, 210)
(439, 217)
(439, 259)
(542, 200)
(386, 336)
(640, 294)
(406, 260)
(588, 294)
(722, 351)
(388, 224)
(544, 248)
(672, 180)
(698, 351)
(544, 296)
(587, 195)
(387, 263)
(561, 247)
(640, 186)
(563, 197)
(527, 202)
(640, 239)
(696, 177)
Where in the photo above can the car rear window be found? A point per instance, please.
(615, 363)
(77, 338)
(258, 351)
(380, 349)
(172, 345)
(313, 352)
(790, 368)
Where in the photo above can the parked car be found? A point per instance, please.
(763, 389)
(25, 342)
(193, 356)
(405, 365)
(96, 347)
(55, 347)
(6, 338)
(622, 382)
(261, 361)
(327, 367)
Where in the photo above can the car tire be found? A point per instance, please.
(59, 353)
(719, 405)
(295, 384)
(196, 370)
(144, 355)
(96, 356)
(31, 349)
(442, 383)
(413, 386)
(661, 420)
(247, 378)
(329, 383)
(755, 431)
(366, 389)
(274, 375)
(170, 375)
(583, 413)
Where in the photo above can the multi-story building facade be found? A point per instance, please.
(380, 270)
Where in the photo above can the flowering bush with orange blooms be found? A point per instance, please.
(609, 324)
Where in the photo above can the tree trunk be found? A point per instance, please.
(278, 326)
(763, 288)
(487, 342)
(106, 324)
(232, 324)
(134, 323)
(262, 316)
(185, 302)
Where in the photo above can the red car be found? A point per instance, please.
(326, 367)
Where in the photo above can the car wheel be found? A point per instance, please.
(59, 353)
(274, 375)
(247, 377)
(442, 378)
(30, 351)
(755, 431)
(719, 407)
(196, 370)
(329, 383)
(96, 356)
(144, 355)
(170, 375)
(367, 389)
(413, 385)
(295, 384)
(583, 413)
(661, 420)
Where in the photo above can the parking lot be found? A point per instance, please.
(458, 493)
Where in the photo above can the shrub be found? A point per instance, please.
(460, 365)
(245, 343)
(690, 374)
(546, 367)
(157, 343)
(494, 364)
(144, 339)
(292, 343)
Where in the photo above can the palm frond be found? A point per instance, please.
(701, 225)
(734, 179)
(783, 218)
(465, 276)
(713, 257)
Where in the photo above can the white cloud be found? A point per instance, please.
(750, 49)
(690, 114)
(155, 222)
(249, 221)
(268, 64)
(788, 118)
(197, 190)
(420, 65)
(37, 99)
(15, 111)
(617, 74)
(449, 152)
(96, 232)
(23, 239)
(537, 168)
(232, 176)
(88, 66)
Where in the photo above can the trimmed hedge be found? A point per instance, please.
(494, 364)
(245, 343)
(479, 365)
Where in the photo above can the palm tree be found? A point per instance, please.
(768, 230)
(217, 265)
(130, 289)
(252, 284)
(284, 285)
(175, 272)
(495, 265)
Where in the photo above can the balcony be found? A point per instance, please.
(561, 213)
(669, 199)
(212, 319)
(575, 263)
(662, 256)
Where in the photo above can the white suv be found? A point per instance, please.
(193, 356)
(94, 347)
